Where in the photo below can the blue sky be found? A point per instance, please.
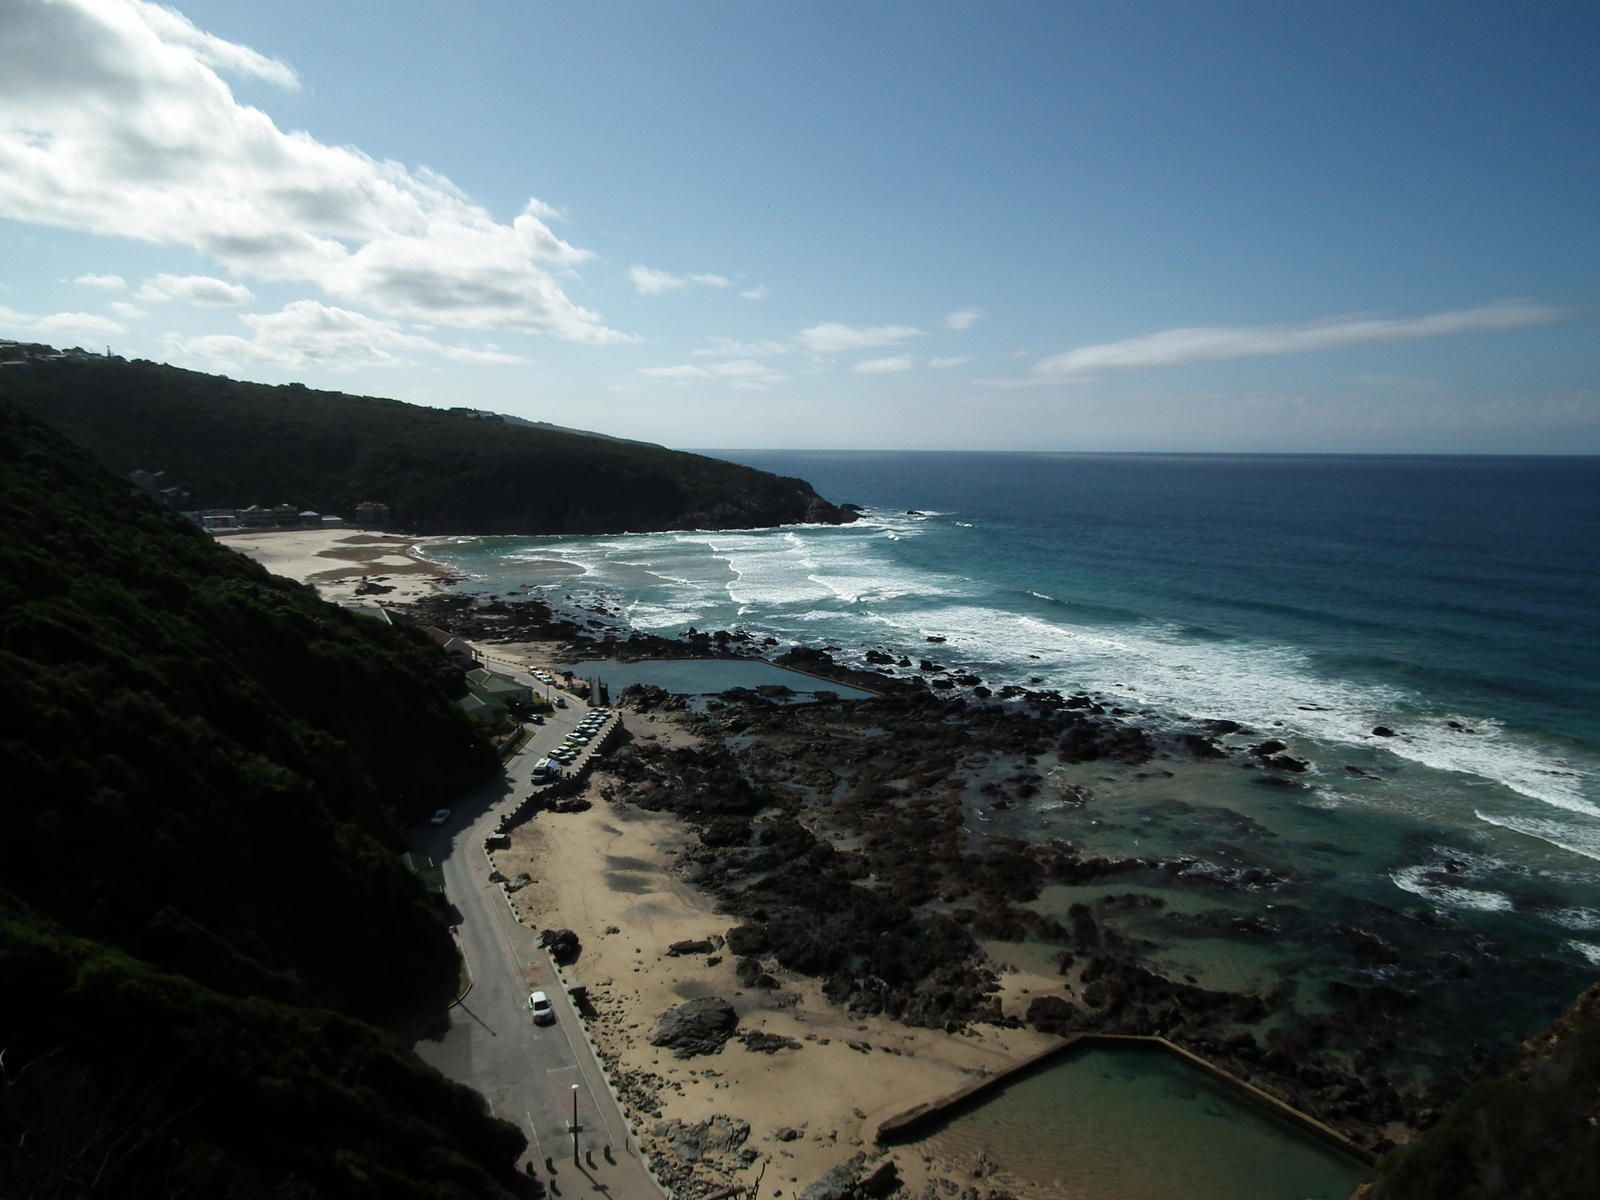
(1004, 226)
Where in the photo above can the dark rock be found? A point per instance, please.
(1269, 747)
(854, 1179)
(691, 946)
(717, 1134)
(1201, 746)
(1052, 1014)
(768, 1043)
(563, 945)
(700, 1026)
(1382, 731)
(787, 1133)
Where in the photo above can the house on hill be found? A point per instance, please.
(457, 649)
(490, 696)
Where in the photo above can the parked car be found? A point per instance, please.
(543, 1012)
(439, 817)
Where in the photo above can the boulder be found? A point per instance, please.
(701, 1026)
(563, 945)
(717, 1134)
(691, 946)
(857, 1178)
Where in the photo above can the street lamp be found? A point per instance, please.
(574, 1124)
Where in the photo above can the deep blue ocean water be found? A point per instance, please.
(1454, 600)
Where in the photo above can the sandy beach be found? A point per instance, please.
(338, 561)
(608, 875)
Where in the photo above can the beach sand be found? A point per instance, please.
(607, 875)
(336, 561)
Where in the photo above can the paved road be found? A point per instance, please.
(526, 1072)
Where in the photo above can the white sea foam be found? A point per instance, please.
(1566, 834)
(1589, 950)
(1420, 881)
(1580, 920)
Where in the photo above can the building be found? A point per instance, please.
(373, 514)
(495, 694)
(457, 649)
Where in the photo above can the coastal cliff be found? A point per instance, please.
(233, 444)
(1532, 1131)
(204, 917)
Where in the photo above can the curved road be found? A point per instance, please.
(526, 1072)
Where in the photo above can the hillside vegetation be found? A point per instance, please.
(441, 471)
(1532, 1133)
(208, 775)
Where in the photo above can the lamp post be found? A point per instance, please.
(574, 1124)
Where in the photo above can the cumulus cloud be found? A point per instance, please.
(760, 292)
(742, 373)
(1182, 347)
(59, 325)
(944, 364)
(135, 134)
(884, 366)
(106, 283)
(648, 281)
(128, 312)
(195, 289)
(307, 333)
(965, 319)
(833, 338)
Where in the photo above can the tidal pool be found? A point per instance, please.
(708, 676)
(1113, 1123)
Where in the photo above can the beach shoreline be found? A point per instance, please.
(631, 881)
(338, 562)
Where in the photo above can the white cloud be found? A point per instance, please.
(307, 333)
(177, 30)
(195, 289)
(944, 364)
(834, 338)
(134, 134)
(963, 320)
(760, 292)
(739, 373)
(1181, 347)
(128, 312)
(60, 325)
(723, 347)
(884, 366)
(106, 283)
(648, 281)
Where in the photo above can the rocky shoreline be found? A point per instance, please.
(840, 842)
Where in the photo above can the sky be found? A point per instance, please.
(1064, 226)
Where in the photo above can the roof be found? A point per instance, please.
(484, 680)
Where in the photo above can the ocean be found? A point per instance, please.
(1455, 601)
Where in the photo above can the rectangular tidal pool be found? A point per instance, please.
(709, 676)
(1128, 1123)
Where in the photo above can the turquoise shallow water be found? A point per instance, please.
(1113, 1124)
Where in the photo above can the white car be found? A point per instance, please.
(440, 817)
(543, 1012)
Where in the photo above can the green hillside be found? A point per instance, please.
(1531, 1133)
(441, 471)
(208, 774)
